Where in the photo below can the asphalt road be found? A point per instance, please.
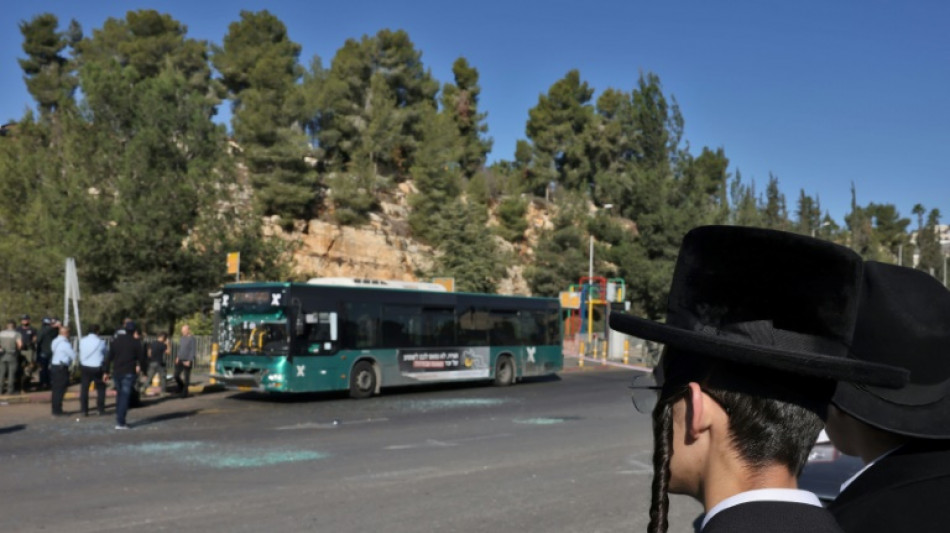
(555, 455)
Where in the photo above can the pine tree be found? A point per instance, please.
(259, 69)
(558, 127)
(49, 75)
(467, 250)
(460, 101)
(437, 178)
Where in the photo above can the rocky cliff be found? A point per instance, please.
(383, 248)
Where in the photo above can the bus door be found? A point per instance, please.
(314, 365)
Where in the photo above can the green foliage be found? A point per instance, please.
(467, 250)
(557, 127)
(561, 256)
(49, 75)
(436, 175)
(259, 69)
(372, 102)
(511, 215)
(460, 101)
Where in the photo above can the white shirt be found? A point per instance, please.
(762, 495)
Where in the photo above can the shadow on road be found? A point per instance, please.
(165, 417)
(12, 429)
(307, 397)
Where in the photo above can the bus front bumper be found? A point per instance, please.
(243, 382)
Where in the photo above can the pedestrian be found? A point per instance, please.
(757, 329)
(157, 350)
(185, 360)
(903, 436)
(63, 357)
(126, 359)
(48, 332)
(27, 352)
(10, 345)
(92, 352)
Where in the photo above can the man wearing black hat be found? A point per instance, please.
(902, 435)
(757, 332)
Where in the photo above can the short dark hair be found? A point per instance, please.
(94, 328)
(773, 419)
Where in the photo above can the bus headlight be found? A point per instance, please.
(275, 377)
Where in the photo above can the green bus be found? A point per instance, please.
(333, 334)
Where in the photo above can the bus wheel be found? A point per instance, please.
(504, 371)
(362, 380)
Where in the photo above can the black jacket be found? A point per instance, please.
(905, 491)
(772, 517)
(125, 352)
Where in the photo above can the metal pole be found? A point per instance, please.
(590, 270)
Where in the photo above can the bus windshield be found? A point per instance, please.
(258, 335)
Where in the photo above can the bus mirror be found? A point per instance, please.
(333, 327)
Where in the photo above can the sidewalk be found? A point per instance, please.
(572, 364)
(199, 385)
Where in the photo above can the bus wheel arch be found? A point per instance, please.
(505, 372)
(364, 379)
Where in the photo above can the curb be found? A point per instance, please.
(72, 393)
(591, 363)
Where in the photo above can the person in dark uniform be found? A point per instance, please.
(27, 353)
(757, 331)
(902, 435)
(48, 332)
(126, 358)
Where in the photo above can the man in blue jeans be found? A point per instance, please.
(126, 358)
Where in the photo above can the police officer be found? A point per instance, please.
(10, 345)
(48, 332)
(27, 352)
(902, 435)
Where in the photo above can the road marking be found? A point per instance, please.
(432, 443)
(335, 424)
(413, 472)
(539, 421)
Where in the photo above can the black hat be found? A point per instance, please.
(24, 317)
(767, 299)
(47, 320)
(903, 319)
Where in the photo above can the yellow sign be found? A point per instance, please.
(234, 262)
(448, 283)
(570, 300)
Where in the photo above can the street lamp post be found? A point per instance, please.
(590, 279)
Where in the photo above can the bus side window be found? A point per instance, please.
(438, 326)
(401, 326)
(361, 325)
(473, 326)
(504, 331)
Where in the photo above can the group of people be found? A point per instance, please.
(126, 358)
(771, 336)
(24, 351)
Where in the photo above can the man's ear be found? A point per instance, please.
(696, 421)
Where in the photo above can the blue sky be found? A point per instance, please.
(820, 94)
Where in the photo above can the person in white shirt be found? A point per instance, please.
(92, 352)
(755, 337)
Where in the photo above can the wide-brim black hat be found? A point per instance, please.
(903, 319)
(765, 298)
